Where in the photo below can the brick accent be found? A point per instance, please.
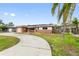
(44, 31)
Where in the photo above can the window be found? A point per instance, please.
(45, 28)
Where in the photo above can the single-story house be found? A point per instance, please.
(44, 28)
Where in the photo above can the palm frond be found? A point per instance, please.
(73, 5)
(61, 12)
(66, 12)
(54, 8)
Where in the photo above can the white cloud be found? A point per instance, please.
(13, 14)
(5, 13)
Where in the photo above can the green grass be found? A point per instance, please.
(62, 46)
(7, 41)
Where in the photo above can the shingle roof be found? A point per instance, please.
(22, 26)
(38, 25)
(10, 27)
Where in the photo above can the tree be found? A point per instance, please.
(65, 12)
(10, 24)
(1, 22)
(75, 22)
(2, 25)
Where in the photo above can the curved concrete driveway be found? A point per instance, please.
(28, 46)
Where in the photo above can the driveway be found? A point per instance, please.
(29, 45)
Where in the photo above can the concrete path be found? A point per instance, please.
(28, 46)
(75, 35)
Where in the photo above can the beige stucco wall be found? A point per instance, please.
(10, 29)
(49, 28)
(36, 28)
(40, 28)
(19, 30)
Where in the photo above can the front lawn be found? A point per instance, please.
(69, 46)
(7, 41)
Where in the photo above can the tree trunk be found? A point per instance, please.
(63, 34)
(70, 30)
(77, 29)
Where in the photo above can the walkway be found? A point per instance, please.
(28, 46)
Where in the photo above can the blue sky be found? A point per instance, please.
(23, 14)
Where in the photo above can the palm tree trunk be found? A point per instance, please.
(63, 33)
(77, 29)
(70, 30)
(70, 27)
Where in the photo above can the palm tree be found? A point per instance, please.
(75, 22)
(65, 12)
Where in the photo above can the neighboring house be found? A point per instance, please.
(68, 28)
(44, 28)
(11, 29)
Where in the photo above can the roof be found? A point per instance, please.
(38, 25)
(10, 27)
(21, 26)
